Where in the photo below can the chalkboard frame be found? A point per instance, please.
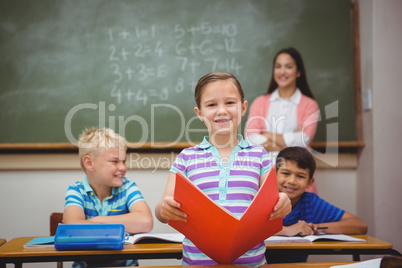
(321, 146)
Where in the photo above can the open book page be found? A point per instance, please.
(163, 237)
(232, 237)
(374, 263)
(312, 238)
(41, 242)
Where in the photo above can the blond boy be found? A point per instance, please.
(106, 195)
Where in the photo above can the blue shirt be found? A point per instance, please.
(119, 202)
(313, 209)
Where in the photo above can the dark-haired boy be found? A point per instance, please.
(295, 167)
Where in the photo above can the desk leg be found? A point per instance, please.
(356, 257)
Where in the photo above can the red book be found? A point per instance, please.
(216, 231)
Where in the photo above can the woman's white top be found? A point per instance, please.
(282, 119)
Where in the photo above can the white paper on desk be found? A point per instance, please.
(312, 238)
(374, 263)
(170, 237)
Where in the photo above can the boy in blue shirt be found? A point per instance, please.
(105, 195)
(295, 167)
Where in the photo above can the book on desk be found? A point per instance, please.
(312, 238)
(155, 238)
(41, 242)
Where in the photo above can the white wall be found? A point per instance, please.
(379, 170)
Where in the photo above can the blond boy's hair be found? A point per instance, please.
(95, 141)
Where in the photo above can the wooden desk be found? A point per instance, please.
(305, 265)
(13, 251)
(197, 266)
(279, 265)
(372, 246)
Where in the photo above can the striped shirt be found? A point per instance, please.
(313, 209)
(119, 202)
(232, 185)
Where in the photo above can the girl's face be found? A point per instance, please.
(285, 71)
(221, 108)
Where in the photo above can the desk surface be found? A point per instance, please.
(371, 243)
(13, 250)
(14, 247)
(279, 265)
(305, 265)
(372, 246)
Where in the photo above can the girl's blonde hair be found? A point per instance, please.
(94, 141)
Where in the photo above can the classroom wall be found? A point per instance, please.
(371, 190)
(378, 174)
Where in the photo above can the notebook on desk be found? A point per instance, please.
(41, 242)
(154, 238)
(312, 238)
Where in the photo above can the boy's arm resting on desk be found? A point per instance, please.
(138, 220)
(349, 225)
(301, 228)
(168, 209)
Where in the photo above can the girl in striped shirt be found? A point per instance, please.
(224, 166)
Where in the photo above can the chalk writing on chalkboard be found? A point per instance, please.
(133, 55)
(133, 65)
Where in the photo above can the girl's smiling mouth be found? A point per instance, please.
(222, 120)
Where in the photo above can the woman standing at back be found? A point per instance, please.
(287, 115)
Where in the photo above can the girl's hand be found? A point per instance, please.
(282, 208)
(170, 210)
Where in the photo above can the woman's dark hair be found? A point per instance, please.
(301, 82)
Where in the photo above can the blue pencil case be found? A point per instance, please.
(89, 236)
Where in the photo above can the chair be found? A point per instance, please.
(391, 262)
(55, 219)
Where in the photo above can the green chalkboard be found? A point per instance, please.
(132, 64)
